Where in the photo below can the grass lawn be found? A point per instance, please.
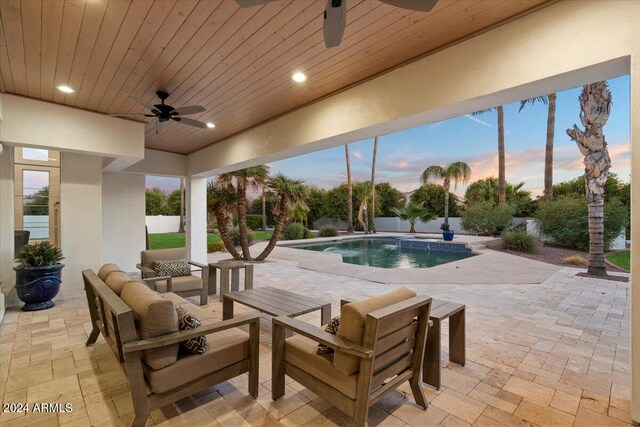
(176, 240)
(621, 259)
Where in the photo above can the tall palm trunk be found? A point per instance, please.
(548, 150)
(264, 211)
(349, 193)
(502, 197)
(223, 228)
(446, 186)
(181, 228)
(241, 200)
(372, 212)
(595, 104)
(281, 219)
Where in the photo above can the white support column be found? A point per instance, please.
(635, 241)
(196, 218)
(7, 276)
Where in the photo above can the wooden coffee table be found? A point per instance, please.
(275, 302)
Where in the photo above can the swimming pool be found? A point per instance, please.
(385, 253)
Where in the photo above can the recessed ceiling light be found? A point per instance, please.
(210, 125)
(65, 89)
(299, 77)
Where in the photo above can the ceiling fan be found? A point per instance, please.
(165, 112)
(335, 15)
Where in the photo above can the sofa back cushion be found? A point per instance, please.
(352, 322)
(148, 257)
(107, 269)
(116, 281)
(153, 316)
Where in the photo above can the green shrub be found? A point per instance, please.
(519, 241)
(41, 254)
(565, 221)
(294, 231)
(328, 231)
(215, 247)
(235, 236)
(485, 218)
(254, 222)
(308, 234)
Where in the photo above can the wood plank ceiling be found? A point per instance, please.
(235, 62)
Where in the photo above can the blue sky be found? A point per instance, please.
(402, 156)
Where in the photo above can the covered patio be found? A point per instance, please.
(564, 351)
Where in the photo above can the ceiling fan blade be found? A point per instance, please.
(251, 3)
(417, 5)
(193, 109)
(335, 20)
(144, 104)
(190, 122)
(159, 125)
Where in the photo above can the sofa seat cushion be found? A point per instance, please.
(204, 313)
(301, 352)
(154, 316)
(352, 321)
(107, 269)
(180, 284)
(225, 348)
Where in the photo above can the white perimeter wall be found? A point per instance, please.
(162, 223)
(123, 219)
(80, 218)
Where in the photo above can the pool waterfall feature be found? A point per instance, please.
(392, 252)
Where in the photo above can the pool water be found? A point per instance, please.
(381, 252)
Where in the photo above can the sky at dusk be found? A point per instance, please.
(402, 156)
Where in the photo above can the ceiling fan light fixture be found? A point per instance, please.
(299, 77)
(65, 89)
(210, 125)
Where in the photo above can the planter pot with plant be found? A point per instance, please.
(447, 234)
(38, 275)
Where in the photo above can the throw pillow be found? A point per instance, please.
(332, 328)
(187, 321)
(173, 268)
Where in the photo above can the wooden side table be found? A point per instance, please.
(228, 284)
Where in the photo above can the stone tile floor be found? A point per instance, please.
(556, 353)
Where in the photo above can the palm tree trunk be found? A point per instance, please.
(595, 103)
(241, 200)
(349, 193)
(413, 227)
(277, 230)
(596, 237)
(501, 160)
(372, 212)
(446, 203)
(548, 151)
(223, 229)
(181, 228)
(264, 211)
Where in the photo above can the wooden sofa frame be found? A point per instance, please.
(392, 352)
(122, 338)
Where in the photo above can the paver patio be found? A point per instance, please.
(556, 353)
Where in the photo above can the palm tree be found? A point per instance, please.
(549, 100)
(413, 212)
(595, 105)
(372, 213)
(456, 172)
(264, 210)
(181, 227)
(288, 192)
(349, 192)
(299, 212)
(363, 216)
(220, 201)
(253, 177)
(501, 160)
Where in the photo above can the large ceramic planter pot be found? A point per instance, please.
(448, 235)
(36, 286)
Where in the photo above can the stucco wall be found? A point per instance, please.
(162, 223)
(123, 219)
